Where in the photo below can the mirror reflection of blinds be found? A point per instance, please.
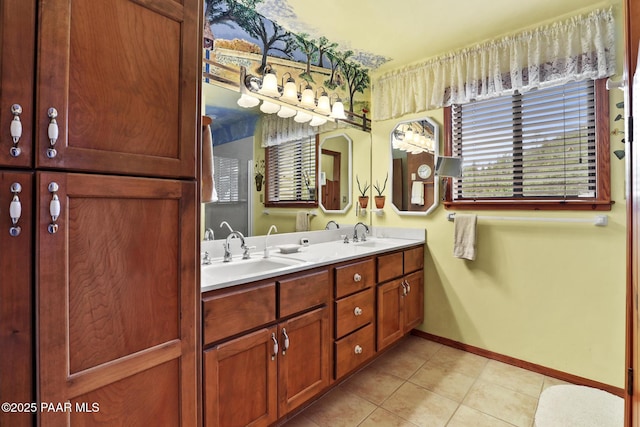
(289, 164)
(540, 144)
(226, 177)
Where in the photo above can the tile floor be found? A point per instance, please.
(423, 383)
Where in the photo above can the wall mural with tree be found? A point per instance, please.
(237, 34)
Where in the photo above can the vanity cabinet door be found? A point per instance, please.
(414, 300)
(117, 298)
(390, 316)
(304, 362)
(17, 41)
(16, 299)
(239, 387)
(122, 76)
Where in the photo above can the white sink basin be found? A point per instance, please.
(219, 271)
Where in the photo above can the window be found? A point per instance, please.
(227, 171)
(291, 173)
(545, 149)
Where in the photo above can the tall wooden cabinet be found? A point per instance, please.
(108, 93)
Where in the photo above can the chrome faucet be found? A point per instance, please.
(227, 246)
(223, 223)
(266, 246)
(355, 232)
(332, 222)
(208, 234)
(206, 259)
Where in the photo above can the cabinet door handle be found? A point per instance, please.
(15, 210)
(16, 130)
(52, 132)
(408, 286)
(357, 311)
(404, 289)
(357, 349)
(275, 346)
(286, 341)
(357, 277)
(54, 207)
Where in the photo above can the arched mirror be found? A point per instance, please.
(335, 173)
(414, 151)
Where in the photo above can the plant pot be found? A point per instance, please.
(379, 201)
(364, 201)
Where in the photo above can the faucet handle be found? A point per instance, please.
(206, 259)
(246, 254)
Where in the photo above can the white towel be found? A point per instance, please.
(302, 221)
(417, 193)
(208, 186)
(464, 236)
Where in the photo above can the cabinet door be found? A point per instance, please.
(414, 300)
(17, 44)
(390, 317)
(304, 365)
(123, 77)
(117, 299)
(16, 298)
(240, 381)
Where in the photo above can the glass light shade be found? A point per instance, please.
(290, 92)
(337, 112)
(269, 107)
(248, 101)
(317, 121)
(324, 106)
(302, 117)
(408, 135)
(269, 85)
(308, 100)
(286, 112)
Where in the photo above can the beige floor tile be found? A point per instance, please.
(459, 361)
(300, 421)
(420, 346)
(383, 418)
(443, 381)
(507, 405)
(549, 381)
(420, 406)
(399, 363)
(467, 417)
(339, 408)
(373, 385)
(513, 378)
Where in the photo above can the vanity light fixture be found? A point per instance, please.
(413, 141)
(288, 103)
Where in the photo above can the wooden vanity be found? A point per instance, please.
(273, 345)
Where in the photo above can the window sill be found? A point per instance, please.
(531, 205)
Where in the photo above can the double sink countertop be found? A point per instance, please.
(325, 247)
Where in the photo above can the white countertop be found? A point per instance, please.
(220, 275)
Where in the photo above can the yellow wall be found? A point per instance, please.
(547, 293)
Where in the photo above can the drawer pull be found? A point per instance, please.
(357, 311)
(16, 129)
(286, 341)
(357, 349)
(275, 346)
(52, 132)
(357, 277)
(54, 207)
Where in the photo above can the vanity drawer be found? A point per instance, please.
(390, 266)
(354, 311)
(233, 312)
(354, 277)
(354, 350)
(413, 259)
(302, 292)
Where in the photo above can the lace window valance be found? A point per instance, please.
(575, 49)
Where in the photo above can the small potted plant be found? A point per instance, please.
(363, 199)
(379, 199)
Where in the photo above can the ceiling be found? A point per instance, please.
(408, 31)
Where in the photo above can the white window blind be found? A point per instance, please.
(537, 145)
(291, 171)
(226, 177)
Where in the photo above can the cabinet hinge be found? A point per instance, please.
(630, 381)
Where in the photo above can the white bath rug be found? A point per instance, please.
(579, 406)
